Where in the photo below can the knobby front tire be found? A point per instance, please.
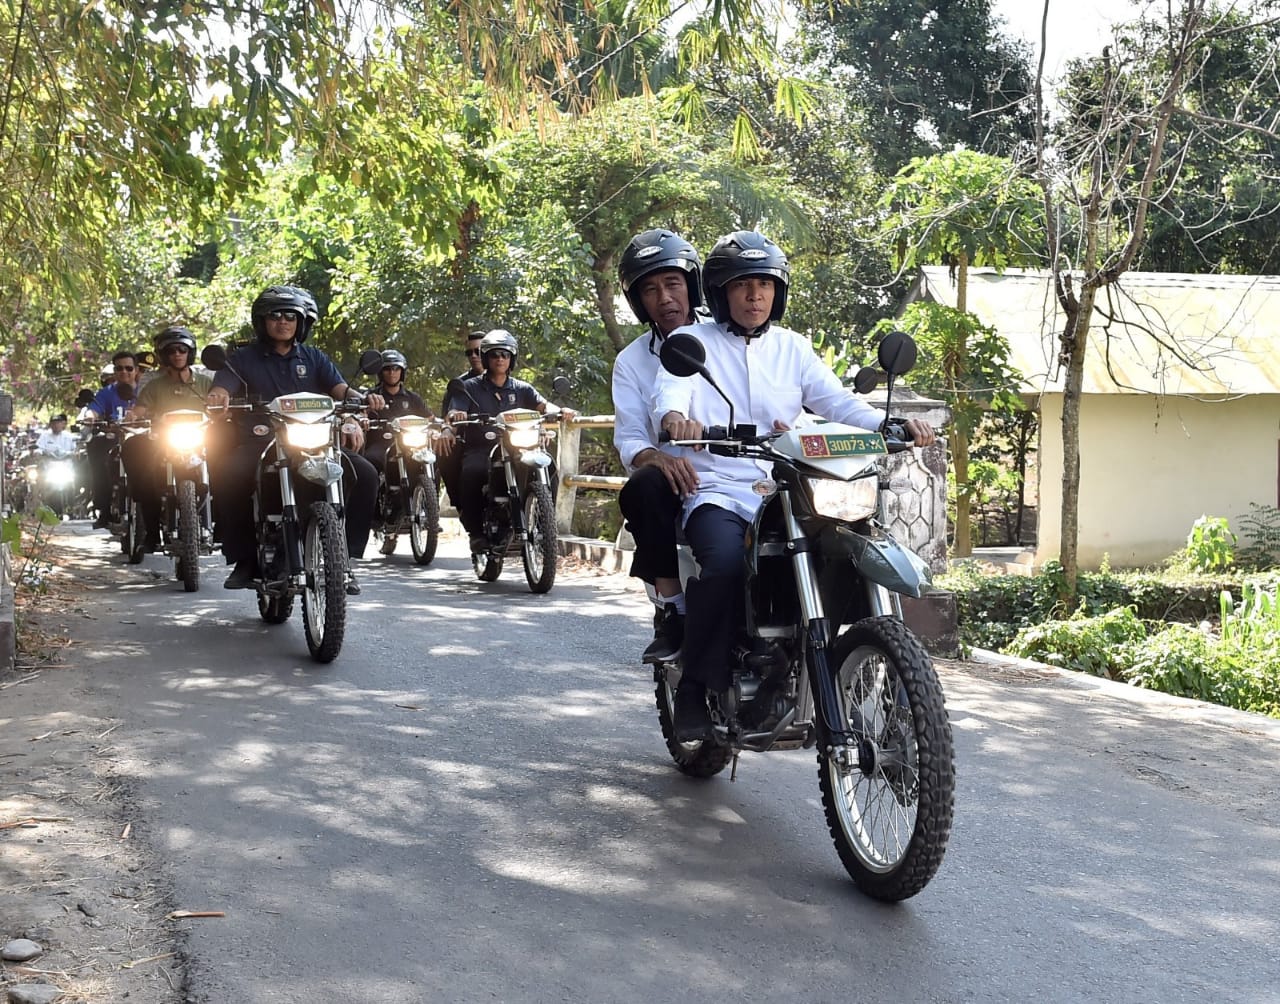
(540, 547)
(324, 598)
(890, 822)
(424, 520)
(188, 536)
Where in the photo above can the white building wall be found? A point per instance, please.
(1151, 466)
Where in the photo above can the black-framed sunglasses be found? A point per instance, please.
(500, 353)
(473, 352)
(184, 349)
(282, 315)
(124, 369)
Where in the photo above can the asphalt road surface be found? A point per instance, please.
(474, 803)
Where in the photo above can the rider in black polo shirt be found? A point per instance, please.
(279, 363)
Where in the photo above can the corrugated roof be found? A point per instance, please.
(1210, 336)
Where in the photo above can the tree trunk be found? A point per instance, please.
(603, 269)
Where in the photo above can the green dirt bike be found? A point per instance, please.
(823, 659)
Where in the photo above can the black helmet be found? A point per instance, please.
(499, 338)
(738, 255)
(655, 251)
(390, 357)
(291, 298)
(175, 334)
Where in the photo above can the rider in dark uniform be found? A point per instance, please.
(279, 363)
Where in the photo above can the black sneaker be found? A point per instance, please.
(242, 575)
(668, 636)
(691, 720)
(353, 587)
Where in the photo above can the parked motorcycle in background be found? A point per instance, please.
(824, 658)
(302, 548)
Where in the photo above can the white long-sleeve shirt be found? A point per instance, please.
(56, 442)
(635, 371)
(769, 379)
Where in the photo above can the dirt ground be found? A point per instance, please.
(75, 875)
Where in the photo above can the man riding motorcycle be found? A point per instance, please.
(177, 386)
(490, 393)
(400, 401)
(776, 373)
(280, 363)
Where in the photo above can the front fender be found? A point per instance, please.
(877, 557)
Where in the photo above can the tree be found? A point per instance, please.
(1107, 169)
(964, 363)
(963, 208)
(929, 75)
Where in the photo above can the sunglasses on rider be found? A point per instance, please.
(500, 353)
(123, 369)
(473, 352)
(282, 315)
(184, 349)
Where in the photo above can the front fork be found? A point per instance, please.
(833, 736)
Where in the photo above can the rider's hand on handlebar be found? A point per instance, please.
(375, 402)
(678, 427)
(218, 398)
(921, 433)
(457, 416)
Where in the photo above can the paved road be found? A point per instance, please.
(474, 804)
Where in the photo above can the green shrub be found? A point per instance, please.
(1083, 643)
(1260, 528)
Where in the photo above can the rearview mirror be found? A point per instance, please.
(561, 386)
(214, 357)
(897, 353)
(370, 362)
(865, 380)
(683, 355)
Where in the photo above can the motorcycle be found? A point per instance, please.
(823, 658)
(124, 520)
(186, 516)
(302, 549)
(407, 504)
(519, 514)
(52, 481)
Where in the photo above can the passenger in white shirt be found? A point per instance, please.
(661, 276)
(770, 373)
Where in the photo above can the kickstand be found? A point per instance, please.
(733, 769)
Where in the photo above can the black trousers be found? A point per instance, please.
(142, 463)
(232, 480)
(101, 472)
(651, 510)
(449, 470)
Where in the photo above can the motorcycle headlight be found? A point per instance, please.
(33, 473)
(524, 438)
(59, 474)
(307, 436)
(183, 437)
(414, 438)
(848, 500)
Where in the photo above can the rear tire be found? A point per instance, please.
(697, 759)
(891, 822)
(540, 548)
(188, 536)
(486, 566)
(424, 520)
(324, 597)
